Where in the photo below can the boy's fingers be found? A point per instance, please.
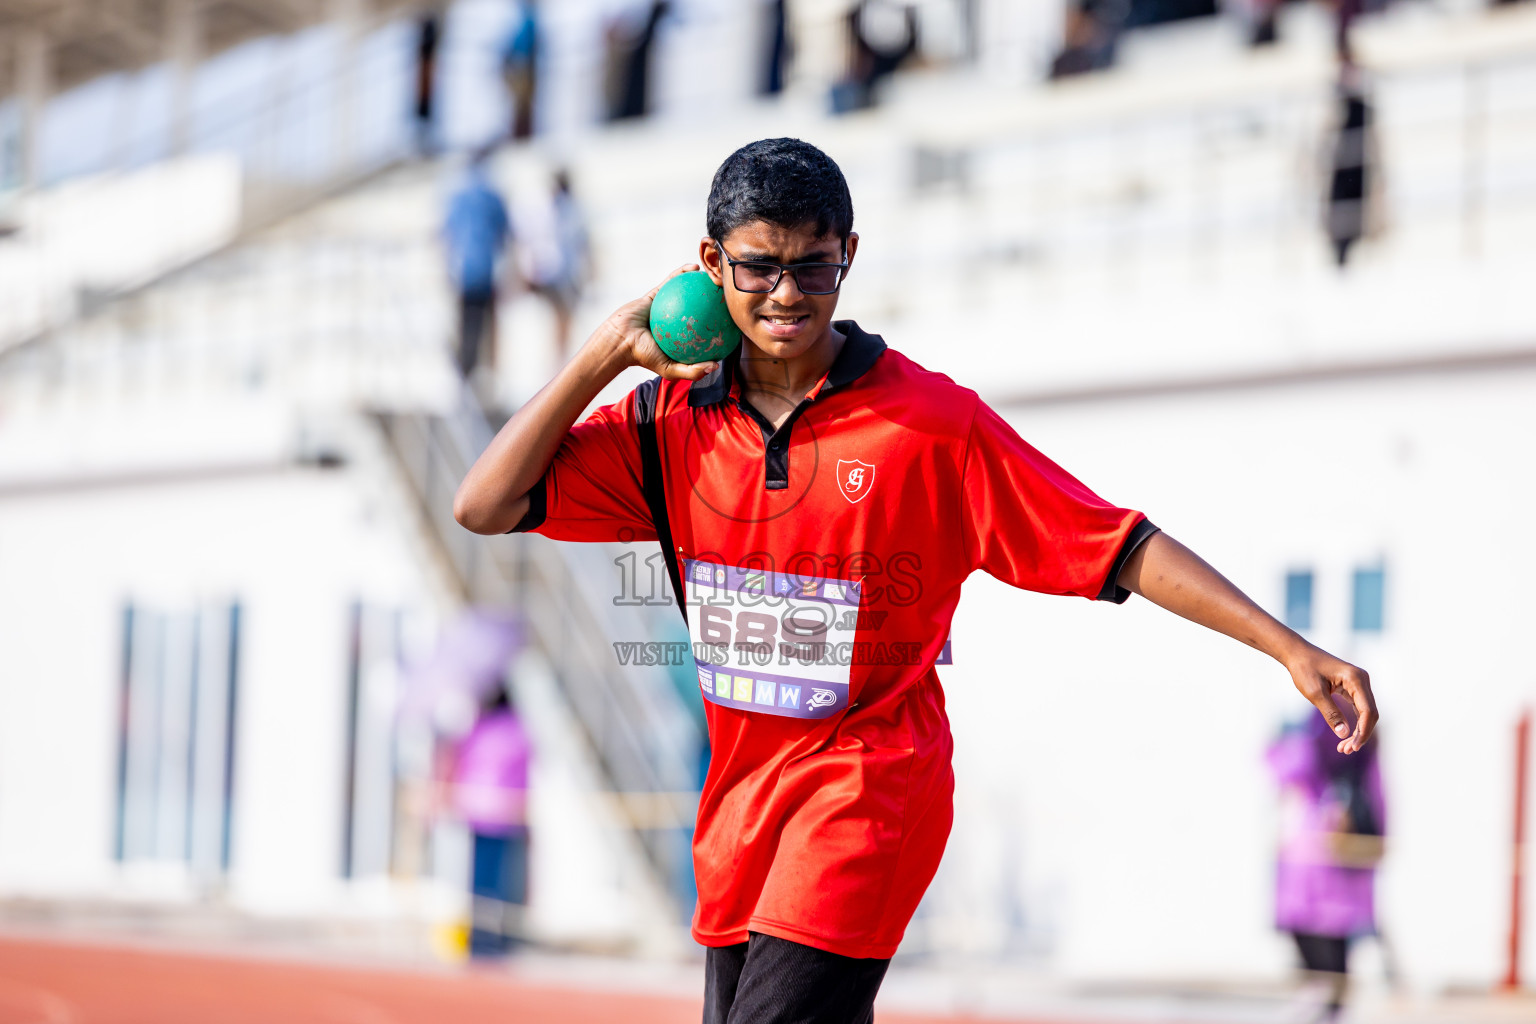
(688, 371)
(685, 268)
(1330, 712)
(654, 359)
(1359, 694)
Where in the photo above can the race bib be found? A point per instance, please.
(776, 643)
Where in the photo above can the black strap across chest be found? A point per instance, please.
(652, 483)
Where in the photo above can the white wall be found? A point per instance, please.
(295, 546)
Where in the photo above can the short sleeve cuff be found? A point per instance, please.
(1112, 590)
(537, 507)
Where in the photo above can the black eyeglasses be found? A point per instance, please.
(761, 276)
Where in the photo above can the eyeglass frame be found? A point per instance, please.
(733, 263)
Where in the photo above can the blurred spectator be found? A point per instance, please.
(1160, 12)
(519, 66)
(490, 794)
(1091, 34)
(561, 262)
(1352, 199)
(629, 45)
(476, 232)
(775, 48)
(1257, 19)
(428, 32)
(1333, 821)
(881, 36)
(1344, 14)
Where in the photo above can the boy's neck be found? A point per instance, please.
(774, 385)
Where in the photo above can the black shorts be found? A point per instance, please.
(767, 980)
(1324, 953)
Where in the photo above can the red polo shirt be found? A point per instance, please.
(822, 563)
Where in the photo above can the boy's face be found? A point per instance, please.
(786, 322)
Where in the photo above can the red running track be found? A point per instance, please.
(52, 982)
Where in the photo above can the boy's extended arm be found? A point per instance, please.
(1170, 575)
(493, 496)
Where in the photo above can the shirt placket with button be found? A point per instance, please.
(776, 441)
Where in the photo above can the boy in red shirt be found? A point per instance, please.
(821, 499)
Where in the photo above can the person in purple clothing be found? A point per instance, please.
(490, 794)
(1333, 820)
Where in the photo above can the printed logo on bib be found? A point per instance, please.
(771, 642)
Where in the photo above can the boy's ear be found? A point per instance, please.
(853, 247)
(711, 260)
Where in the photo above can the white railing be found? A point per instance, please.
(250, 156)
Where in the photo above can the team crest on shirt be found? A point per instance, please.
(854, 479)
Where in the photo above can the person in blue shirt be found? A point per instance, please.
(520, 67)
(476, 233)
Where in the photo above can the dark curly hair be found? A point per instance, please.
(782, 181)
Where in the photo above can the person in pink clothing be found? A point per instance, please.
(489, 792)
(1333, 819)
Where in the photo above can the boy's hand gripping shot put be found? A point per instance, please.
(820, 499)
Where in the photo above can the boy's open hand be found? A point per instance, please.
(1168, 574)
(631, 323)
(1319, 675)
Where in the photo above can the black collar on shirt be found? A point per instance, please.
(859, 352)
